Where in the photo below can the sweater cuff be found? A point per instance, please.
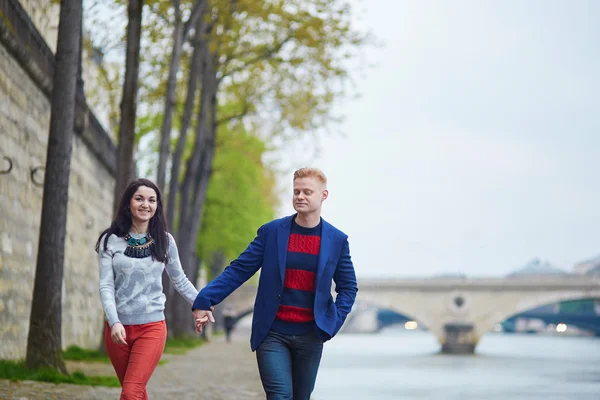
(201, 303)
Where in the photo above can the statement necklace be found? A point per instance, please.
(139, 248)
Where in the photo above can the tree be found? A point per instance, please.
(277, 65)
(125, 148)
(180, 31)
(193, 189)
(241, 197)
(195, 70)
(186, 117)
(44, 343)
(292, 63)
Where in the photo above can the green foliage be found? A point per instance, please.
(240, 198)
(182, 345)
(76, 353)
(282, 63)
(241, 195)
(289, 58)
(147, 123)
(17, 371)
(281, 66)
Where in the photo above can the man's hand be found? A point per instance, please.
(202, 318)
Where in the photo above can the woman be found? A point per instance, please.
(133, 253)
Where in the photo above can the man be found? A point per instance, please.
(294, 312)
(228, 322)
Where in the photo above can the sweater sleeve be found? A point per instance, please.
(182, 284)
(107, 283)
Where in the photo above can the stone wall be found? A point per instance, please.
(24, 125)
(44, 15)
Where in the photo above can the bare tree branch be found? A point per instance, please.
(179, 35)
(229, 118)
(268, 53)
(197, 11)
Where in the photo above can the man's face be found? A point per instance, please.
(309, 194)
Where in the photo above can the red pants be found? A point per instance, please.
(135, 362)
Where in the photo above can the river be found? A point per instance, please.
(399, 364)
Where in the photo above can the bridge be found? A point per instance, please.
(377, 319)
(458, 311)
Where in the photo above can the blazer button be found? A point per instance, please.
(279, 296)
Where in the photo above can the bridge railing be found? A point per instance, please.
(508, 283)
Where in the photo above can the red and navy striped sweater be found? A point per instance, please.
(295, 315)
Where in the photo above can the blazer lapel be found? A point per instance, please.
(283, 237)
(326, 234)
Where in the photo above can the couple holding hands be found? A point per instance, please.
(294, 312)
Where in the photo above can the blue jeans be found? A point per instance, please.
(288, 365)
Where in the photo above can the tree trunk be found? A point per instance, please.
(195, 70)
(193, 190)
(215, 268)
(179, 33)
(44, 342)
(203, 174)
(125, 166)
(190, 182)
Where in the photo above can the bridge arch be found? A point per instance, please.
(528, 304)
(420, 318)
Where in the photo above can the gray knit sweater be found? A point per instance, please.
(131, 288)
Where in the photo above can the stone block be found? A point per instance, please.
(5, 86)
(19, 98)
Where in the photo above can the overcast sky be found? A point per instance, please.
(475, 146)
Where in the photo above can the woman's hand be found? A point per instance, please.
(117, 333)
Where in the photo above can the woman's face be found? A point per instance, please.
(143, 204)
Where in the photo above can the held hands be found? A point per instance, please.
(203, 317)
(117, 333)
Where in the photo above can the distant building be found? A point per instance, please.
(588, 267)
(537, 267)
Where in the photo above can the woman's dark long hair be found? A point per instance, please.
(157, 226)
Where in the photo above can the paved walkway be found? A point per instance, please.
(215, 371)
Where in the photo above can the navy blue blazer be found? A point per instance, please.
(269, 250)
